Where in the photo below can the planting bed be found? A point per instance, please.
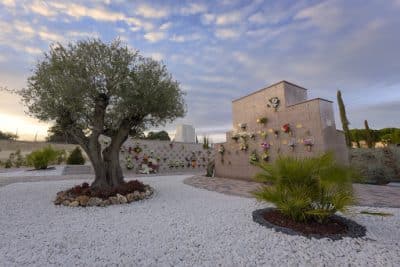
(335, 228)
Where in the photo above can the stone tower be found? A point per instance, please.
(185, 133)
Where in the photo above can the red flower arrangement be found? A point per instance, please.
(286, 128)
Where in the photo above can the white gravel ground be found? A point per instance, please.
(179, 226)
(24, 172)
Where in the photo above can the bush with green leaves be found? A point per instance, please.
(76, 157)
(40, 159)
(306, 189)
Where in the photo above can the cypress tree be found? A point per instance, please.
(343, 118)
(368, 135)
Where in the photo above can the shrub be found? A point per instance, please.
(306, 189)
(76, 157)
(41, 158)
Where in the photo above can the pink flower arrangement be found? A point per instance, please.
(265, 145)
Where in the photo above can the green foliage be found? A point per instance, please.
(56, 134)
(108, 85)
(206, 142)
(15, 159)
(385, 135)
(343, 118)
(8, 136)
(76, 157)
(210, 168)
(306, 189)
(41, 158)
(162, 135)
(61, 156)
(368, 135)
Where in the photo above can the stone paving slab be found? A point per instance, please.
(366, 195)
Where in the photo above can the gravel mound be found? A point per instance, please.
(179, 226)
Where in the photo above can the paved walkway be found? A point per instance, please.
(366, 195)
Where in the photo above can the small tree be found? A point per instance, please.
(161, 135)
(368, 135)
(76, 157)
(343, 118)
(92, 88)
(206, 142)
(8, 136)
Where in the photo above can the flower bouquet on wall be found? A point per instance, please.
(253, 159)
(265, 156)
(308, 143)
(242, 126)
(286, 128)
(292, 144)
(263, 134)
(262, 120)
(243, 146)
(265, 146)
(235, 137)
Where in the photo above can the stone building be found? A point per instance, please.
(185, 134)
(277, 120)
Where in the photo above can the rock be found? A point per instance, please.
(105, 202)
(148, 193)
(66, 202)
(58, 201)
(113, 200)
(121, 199)
(83, 200)
(94, 201)
(142, 195)
(136, 194)
(130, 197)
(74, 203)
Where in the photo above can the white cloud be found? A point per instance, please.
(226, 33)
(99, 14)
(24, 28)
(3, 58)
(193, 8)
(207, 19)
(229, 18)
(153, 37)
(80, 35)
(157, 56)
(184, 38)
(32, 50)
(326, 16)
(166, 26)
(147, 11)
(41, 8)
(45, 35)
(8, 3)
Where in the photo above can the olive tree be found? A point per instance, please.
(91, 88)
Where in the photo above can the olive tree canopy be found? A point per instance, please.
(91, 88)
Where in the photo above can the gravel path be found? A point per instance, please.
(180, 226)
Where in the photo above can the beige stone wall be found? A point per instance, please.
(308, 119)
(170, 156)
(26, 147)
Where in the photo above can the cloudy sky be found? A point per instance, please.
(221, 50)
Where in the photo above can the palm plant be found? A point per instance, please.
(306, 189)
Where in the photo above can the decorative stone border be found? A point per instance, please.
(86, 201)
(354, 229)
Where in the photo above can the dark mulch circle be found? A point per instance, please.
(336, 227)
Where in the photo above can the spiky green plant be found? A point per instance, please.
(343, 118)
(306, 189)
